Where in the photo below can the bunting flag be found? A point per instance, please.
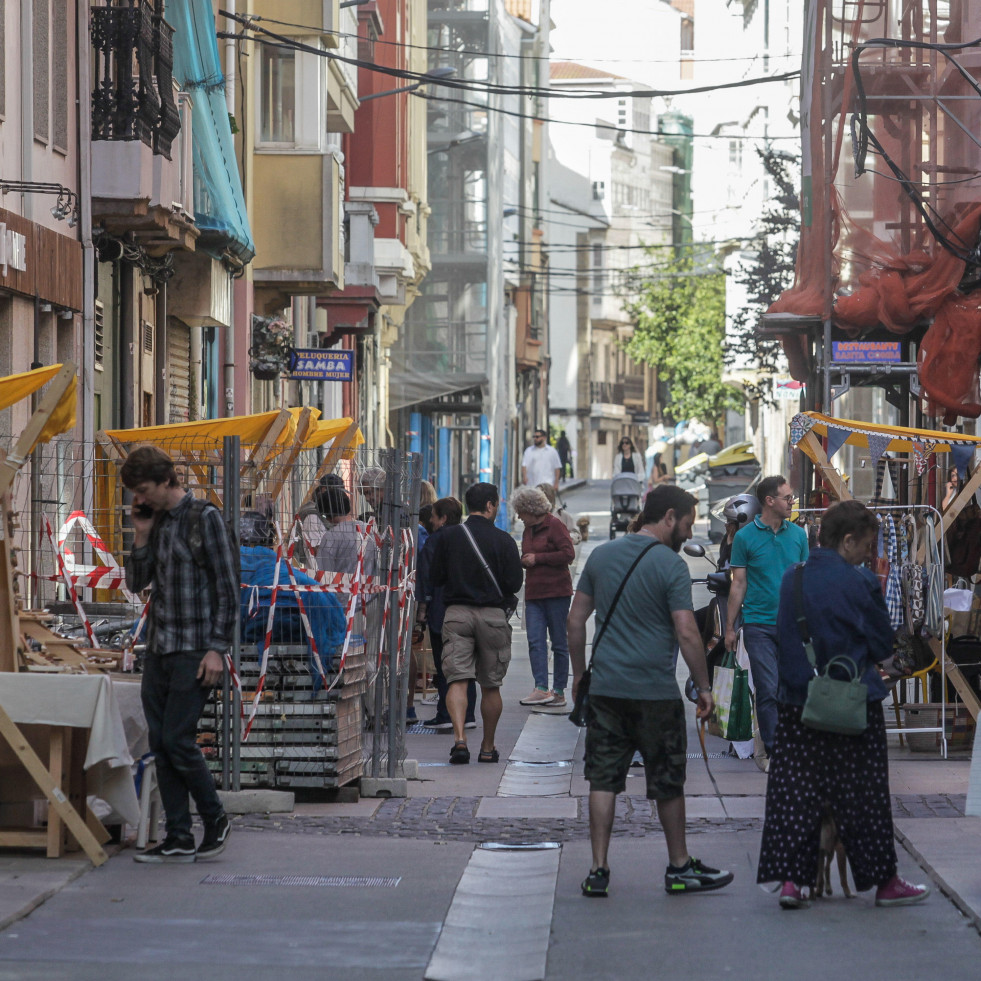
(962, 456)
(800, 426)
(877, 446)
(888, 492)
(921, 454)
(836, 439)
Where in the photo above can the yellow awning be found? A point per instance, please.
(250, 429)
(902, 439)
(13, 388)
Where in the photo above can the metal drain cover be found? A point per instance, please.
(224, 879)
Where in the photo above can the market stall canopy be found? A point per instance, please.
(875, 438)
(13, 388)
(252, 430)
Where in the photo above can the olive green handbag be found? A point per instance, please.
(832, 705)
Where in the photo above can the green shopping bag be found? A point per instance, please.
(733, 709)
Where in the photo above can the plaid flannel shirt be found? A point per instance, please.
(894, 587)
(192, 607)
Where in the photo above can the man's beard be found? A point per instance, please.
(677, 539)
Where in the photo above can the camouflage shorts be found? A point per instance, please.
(618, 727)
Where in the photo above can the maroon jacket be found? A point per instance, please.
(552, 547)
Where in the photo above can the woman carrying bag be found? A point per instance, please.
(832, 608)
(628, 460)
(546, 554)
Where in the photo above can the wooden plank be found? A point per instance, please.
(337, 447)
(9, 623)
(20, 838)
(56, 767)
(961, 685)
(97, 828)
(262, 454)
(958, 504)
(825, 468)
(54, 390)
(56, 797)
(273, 485)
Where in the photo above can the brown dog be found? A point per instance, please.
(830, 846)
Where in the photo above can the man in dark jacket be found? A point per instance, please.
(479, 568)
(180, 545)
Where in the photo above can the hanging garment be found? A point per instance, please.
(894, 588)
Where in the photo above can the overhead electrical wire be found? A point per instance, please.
(498, 54)
(493, 88)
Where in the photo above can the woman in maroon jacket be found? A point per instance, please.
(546, 553)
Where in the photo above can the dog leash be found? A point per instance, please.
(701, 738)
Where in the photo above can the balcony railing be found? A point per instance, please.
(133, 97)
(609, 392)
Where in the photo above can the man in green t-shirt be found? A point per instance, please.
(641, 591)
(761, 552)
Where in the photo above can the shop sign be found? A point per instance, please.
(13, 249)
(316, 364)
(866, 352)
(787, 388)
(640, 418)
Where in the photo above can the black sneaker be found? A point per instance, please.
(174, 848)
(438, 724)
(597, 883)
(693, 876)
(215, 837)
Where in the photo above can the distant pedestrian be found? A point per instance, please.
(641, 591)
(540, 462)
(479, 569)
(761, 552)
(811, 770)
(546, 553)
(628, 460)
(564, 448)
(181, 547)
(431, 608)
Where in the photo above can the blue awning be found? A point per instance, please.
(219, 204)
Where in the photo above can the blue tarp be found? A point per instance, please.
(219, 204)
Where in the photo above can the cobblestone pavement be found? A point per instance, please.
(455, 819)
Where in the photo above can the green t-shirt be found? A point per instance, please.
(637, 653)
(765, 555)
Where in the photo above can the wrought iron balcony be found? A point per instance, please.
(609, 392)
(133, 97)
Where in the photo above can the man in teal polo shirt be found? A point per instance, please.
(761, 552)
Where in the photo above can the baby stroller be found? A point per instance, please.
(625, 491)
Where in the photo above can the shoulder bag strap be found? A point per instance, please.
(483, 561)
(802, 627)
(616, 597)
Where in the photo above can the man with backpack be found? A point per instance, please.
(182, 548)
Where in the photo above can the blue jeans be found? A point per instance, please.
(761, 645)
(548, 616)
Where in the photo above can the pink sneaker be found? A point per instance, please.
(791, 897)
(899, 892)
(538, 697)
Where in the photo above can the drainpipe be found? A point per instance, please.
(228, 336)
(87, 347)
(26, 100)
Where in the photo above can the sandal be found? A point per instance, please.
(488, 756)
(459, 753)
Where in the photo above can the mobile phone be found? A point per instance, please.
(143, 511)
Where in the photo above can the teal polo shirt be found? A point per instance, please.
(765, 555)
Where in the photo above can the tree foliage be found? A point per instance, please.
(679, 313)
(770, 272)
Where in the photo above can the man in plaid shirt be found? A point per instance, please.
(180, 546)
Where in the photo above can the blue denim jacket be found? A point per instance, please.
(847, 616)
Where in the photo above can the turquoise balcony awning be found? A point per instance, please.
(219, 204)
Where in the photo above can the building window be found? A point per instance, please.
(100, 335)
(736, 154)
(290, 111)
(40, 43)
(687, 36)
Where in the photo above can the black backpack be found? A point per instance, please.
(964, 542)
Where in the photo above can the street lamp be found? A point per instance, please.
(436, 75)
(65, 207)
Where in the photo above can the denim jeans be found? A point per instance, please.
(173, 699)
(442, 715)
(761, 645)
(548, 616)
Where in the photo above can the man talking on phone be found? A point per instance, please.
(181, 549)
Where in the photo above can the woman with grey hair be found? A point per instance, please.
(546, 554)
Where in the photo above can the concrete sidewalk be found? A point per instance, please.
(427, 839)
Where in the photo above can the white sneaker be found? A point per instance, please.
(538, 697)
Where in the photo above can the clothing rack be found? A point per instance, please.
(937, 644)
